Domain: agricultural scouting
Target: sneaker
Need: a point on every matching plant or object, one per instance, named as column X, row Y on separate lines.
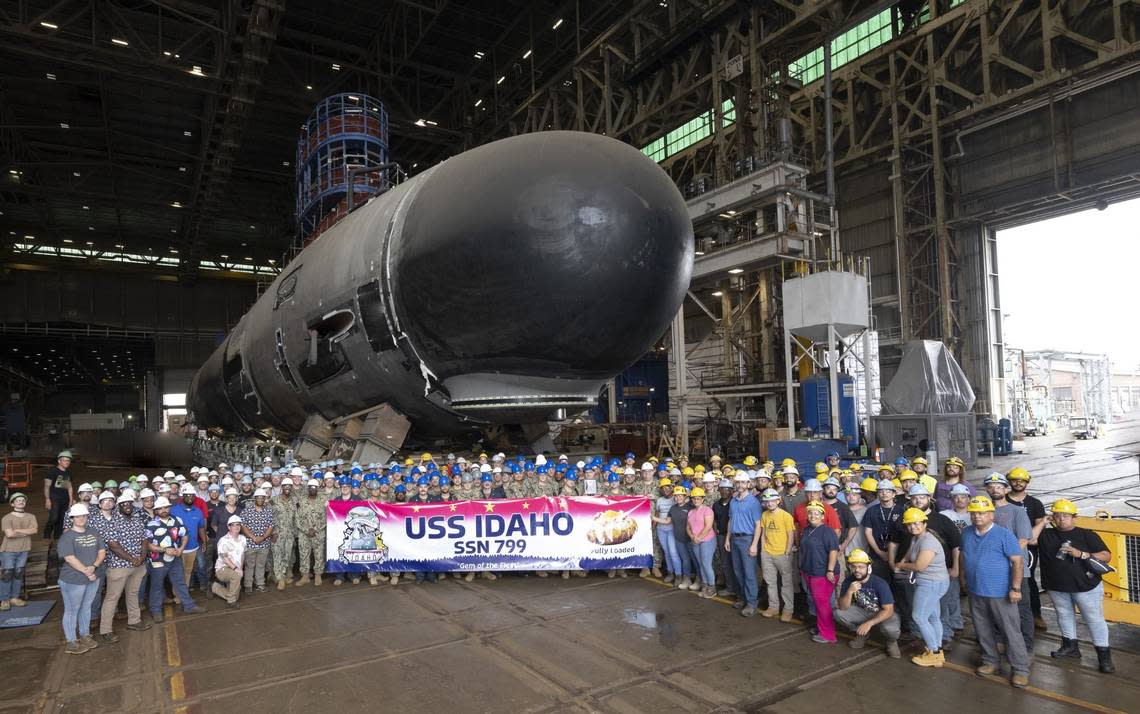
column 280, row 584
column 748, row 612
column 738, row 605
column 233, row 605
column 157, row 617
column 469, row 577
column 929, row 659
column 668, row 579
column 725, row 592
column 611, row 573
column 1021, row 681
column 140, row 626
column 88, row 641
column 262, row 588
column 109, row 639
column 695, row 585
column 707, row 593
column 770, row 612
column 338, row 582
column 786, row 617
column 656, row 572
column 5, row 605
column 194, row 610
column 18, row 602
column 986, row 670
column 643, row 573
column 565, row 574
column 74, row 647
column 542, row 573
column 858, row 643
column 819, row 639
column 356, row 581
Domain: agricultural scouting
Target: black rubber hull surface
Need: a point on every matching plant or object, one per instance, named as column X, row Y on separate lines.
column 506, row 282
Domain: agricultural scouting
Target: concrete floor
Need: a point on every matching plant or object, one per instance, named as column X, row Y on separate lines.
column 529, row 644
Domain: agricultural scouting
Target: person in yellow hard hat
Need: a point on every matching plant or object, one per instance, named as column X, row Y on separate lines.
column 904, row 481
column 865, row 602
column 751, row 461
column 991, row 561
column 1066, row 549
column 699, row 468
column 787, row 462
column 702, row 541
column 869, row 487
column 927, row 560
column 819, row 567
column 953, row 473
column 1018, row 495
column 664, row 532
column 821, row 469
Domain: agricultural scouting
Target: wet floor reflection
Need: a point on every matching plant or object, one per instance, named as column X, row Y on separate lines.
column 652, row 622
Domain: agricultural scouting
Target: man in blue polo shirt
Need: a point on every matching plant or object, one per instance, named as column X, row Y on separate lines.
column 195, row 521
column 990, row 571
column 743, row 541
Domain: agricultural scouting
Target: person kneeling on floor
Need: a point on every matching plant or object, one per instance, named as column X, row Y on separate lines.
column 865, row 602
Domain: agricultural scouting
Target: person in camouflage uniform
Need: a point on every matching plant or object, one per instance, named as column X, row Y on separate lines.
column 467, row 489
column 284, row 534
column 518, row 487
column 445, row 493
column 570, row 488
column 309, row 526
column 545, row 486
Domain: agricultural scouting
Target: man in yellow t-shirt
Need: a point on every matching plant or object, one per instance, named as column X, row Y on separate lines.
column 778, row 543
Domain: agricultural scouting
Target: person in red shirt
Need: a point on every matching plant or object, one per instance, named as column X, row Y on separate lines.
column 814, row 492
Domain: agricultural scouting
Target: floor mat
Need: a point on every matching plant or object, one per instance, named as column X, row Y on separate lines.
column 31, row 614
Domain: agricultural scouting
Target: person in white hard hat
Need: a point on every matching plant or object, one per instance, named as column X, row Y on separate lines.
column 166, row 539
column 58, row 496
column 126, row 561
column 257, row 526
column 228, row 569
column 193, row 516
column 81, row 553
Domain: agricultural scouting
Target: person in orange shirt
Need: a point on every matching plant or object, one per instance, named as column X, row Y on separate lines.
column 814, row 492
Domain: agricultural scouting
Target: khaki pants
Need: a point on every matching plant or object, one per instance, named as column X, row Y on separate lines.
column 120, row 581
column 189, row 557
column 228, row 584
column 254, row 567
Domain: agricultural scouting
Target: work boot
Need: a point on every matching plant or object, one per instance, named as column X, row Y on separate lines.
column 1104, row 660
column 565, row 574
column 303, row 580
column 5, row 605
column 1039, row 623
column 893, row 649
column 709, row 592
column 18, row 602
column 656, row 571
column 1021, row 681
column 929, row 659
column 623, row 573
column 88, row 641
column 770, row 612
column 1068, row 648
column 858, row 643
column 280, row 584
column 469, row 577
column 786, row 617
column 394, row 578
column 580, row 573
column 317, row 580
column 986, row 670
column 611, row 573
column 74, row 647
column 140, row 626
column 643, row 573
column 109, row 639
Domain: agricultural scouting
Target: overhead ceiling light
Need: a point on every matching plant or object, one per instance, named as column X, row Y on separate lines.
column 526, row 54
column 284, row 163
column 50, row 76
column 698, row 252
column 478, row 102
column 271, row 261
column 731, row 212
column 49, row 25
column 248, row 258
column 415, row 164
column 64, row 125
column 309, row 87
column 89, row 242
column 354, row 98
column 420, row 122
column 90, row 228
column 432, row 123
column 86, row 208
column 166, row 52
column 197, row 71
column 252, row 227
column 173, row 230
column 118, row 245
column 501, row 79
column 173, row 250
column 557, row 23
column 14, row 172
column 735, row 271
column 187, row 133
column 717, row 293
column 336, row 67
column 479, row 54
column 75, row 174
column 66, row 240
column 182, row 169
column 223, row 256
column 176, row 204
column 120, row 42
column 29, row 237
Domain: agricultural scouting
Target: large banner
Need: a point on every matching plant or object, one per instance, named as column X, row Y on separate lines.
column 586, row 532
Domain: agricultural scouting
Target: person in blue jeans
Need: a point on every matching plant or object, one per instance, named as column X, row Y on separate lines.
column 166, row 539
column 702, row 543
column 679, row 520
column 743, row 542
column 81, row 552
column 925, row 563
column 17, row 527
column 664, row 526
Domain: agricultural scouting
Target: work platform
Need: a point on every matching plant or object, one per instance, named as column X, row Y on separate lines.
column 518, row 644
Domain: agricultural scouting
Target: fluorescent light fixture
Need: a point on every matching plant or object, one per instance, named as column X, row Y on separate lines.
column 526, row 54
column 284, row 163
column 735, row 271
column 29, row 237
column 725, row 215
column 432, row 123
column 182, row 169
column 187, row 133
column 478, row 102
column 86, row 208
column 731, row 212
column 176, row 204
column 479, row 54
column 698, row 252
column 717, row 293
column 75, row 174
column 354, row 98
column 557, row 24
column 309, row 87
column 64, row 125
column 49, row 25
column 197, row 71
column 501, row 79
column 66, row 240
column 50, row 76
column 120, row 42
column 420, row 122
column 336, row 67
column 166, row 52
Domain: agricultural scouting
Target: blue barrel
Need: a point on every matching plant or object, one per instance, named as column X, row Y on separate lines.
column 815, row 407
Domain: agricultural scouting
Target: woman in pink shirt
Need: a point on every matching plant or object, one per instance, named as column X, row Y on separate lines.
column 702, row 540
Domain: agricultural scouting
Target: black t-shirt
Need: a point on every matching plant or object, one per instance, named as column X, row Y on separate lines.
column 941, row 527
column 1067, row 574
column 720, row 516
column 58, row 481
column 680, row 517
column 1035, row 509
column 847, row 519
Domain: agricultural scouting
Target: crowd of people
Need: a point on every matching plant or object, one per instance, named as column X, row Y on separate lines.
column 884, row 549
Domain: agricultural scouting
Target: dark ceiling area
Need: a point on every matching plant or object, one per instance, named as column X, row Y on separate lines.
column 167, row 128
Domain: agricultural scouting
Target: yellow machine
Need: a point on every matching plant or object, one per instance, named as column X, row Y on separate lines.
column 1122, row 588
